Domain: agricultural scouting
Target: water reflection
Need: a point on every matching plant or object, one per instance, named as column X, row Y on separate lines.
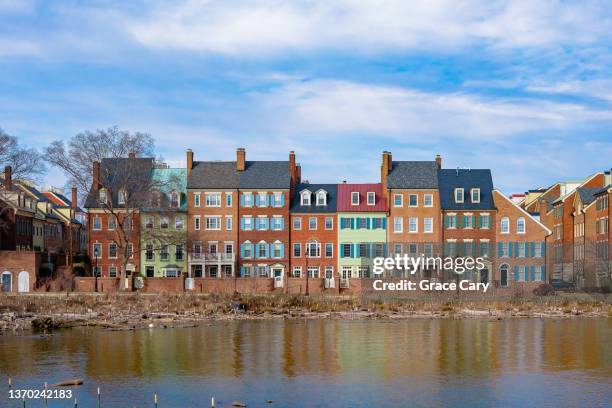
column 430, row 356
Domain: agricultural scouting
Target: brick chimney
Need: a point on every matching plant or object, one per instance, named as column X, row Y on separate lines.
column 189, row 161
column 543, row 210
column 8, row 178
column 292, row 168
column 439, row 161
column 74, row 197
column 298, row 172
column 240, row 159
column 385, row 169
column 131, row 155
column 95, row 185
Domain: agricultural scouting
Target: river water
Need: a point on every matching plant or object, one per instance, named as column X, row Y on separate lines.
column 321, row 363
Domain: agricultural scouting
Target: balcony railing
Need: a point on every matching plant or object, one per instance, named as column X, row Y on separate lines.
column 208, row 257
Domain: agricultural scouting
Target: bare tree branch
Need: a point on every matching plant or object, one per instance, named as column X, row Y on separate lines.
column 27, row 163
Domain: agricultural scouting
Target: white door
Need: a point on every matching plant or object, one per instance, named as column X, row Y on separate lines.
column 23, row 282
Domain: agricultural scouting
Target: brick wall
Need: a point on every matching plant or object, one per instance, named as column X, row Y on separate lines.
column 14, row 262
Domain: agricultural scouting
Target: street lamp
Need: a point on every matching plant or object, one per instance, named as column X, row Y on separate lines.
column 96, row 254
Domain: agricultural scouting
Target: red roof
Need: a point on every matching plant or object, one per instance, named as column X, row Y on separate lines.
column 344, row 198
column 54, row 199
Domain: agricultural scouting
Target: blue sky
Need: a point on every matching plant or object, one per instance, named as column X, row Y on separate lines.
column 523, row 88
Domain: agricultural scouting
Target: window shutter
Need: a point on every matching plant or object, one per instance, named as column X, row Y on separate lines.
column 242, row 224
column 282, row 250
column 516, row 249
column 446, row 221
column 242, row 250
column 532, row 273
column 533, row 245
column 358, row 251
column 500, row 249
column 267, row 199
column 516, row 273
column 543, row 245
column 252, row 246
column 384, row 223
column 256, row 199
column 282, row 224
column 351, row 250
column 282, row 200
column 242, row 271
column 526, row 244
column 543, row 273
column 446, row 248
column 480, row 221
column 352, row 223
column 368, row 223
column 510, row 249
column 384, row 249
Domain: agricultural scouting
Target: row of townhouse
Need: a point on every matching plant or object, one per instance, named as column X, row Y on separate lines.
column 258, row 219
column 39, row 232
column 578, row 213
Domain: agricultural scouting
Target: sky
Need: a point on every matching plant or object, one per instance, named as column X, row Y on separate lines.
column 521, row 87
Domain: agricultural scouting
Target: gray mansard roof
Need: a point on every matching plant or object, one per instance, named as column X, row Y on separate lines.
column 332, row 195
column 257, row 174
column 413, row 174
column 213, row 174
column 449, row 179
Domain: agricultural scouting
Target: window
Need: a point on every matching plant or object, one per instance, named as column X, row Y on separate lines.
column 297, row 250
column 468, row 221
column 364, row 271
column 475, row 195
column 262, row 250
column 164, row 254
column 97, row 223
column 428, row 224
column 164, row 222
column 505, row 250
column 263, row 199
column 111, row 222
column 379, row 250
column 397, row 249
column 103, row 196
column 329, row 272
column 212, row 199
column 537, row 250
column 377, row 223
column 178, row 252
column 504, row 270
column 277, row 250
column 398, row 224
column 329, row 250
column 413, row 200
column 312, row 223
column 261, row 224
column 247, row 223
column 297, row 271
column 112, row 271
column 485, row 221
column 178, row 223
column 247, row 199
column 505, row 225
column 278, row 199
column 371, row 198
column 175, row 199
column 196, row 223
column 398, row 200
column 458, row 195
column 520, row 225
column 149, row 252
column 362, row 223
column 121, row 197
column 428, row 200
column 112, row 251
column 451, row 221
column 149, row 222
column 321, row 198
column 196, row 199
column 297, row 223
column 521, row 249
column 97, row 250
column 313, row 271
column 468, row 248
column 364, row 250
column 354, row 198
column 213, row 223
column 247, row 250
column 228, row 199
column 277, row 223
column 229, row 248
column 428, row 249
column 413, row 224
column 313, row 250
column 346, row 250
column 329, row 223
column 228, row 223
column 305, row 197
column 484, row 249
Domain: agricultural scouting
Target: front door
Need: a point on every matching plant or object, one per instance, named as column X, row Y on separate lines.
column 23, row 282
column 277, row 273
column 504, row 276
column 484, row 275
column 7, row 282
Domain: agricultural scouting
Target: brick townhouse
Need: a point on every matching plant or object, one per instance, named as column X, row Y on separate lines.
column 362, row 229
column 415, row 224
column 469, row 218
column 314, row 232
column 603, row 237
column 521, row 245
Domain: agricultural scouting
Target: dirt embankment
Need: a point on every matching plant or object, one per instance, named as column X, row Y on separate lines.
column 130, row 311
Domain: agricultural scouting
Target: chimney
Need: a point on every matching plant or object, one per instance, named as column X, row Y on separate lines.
column 96, row 176
column 240, row 159
column 292, row 170
column 439, row 161
column 189, row 161
column 298, row 171
column 543, row 209
column 74, row 197
column 131, row 155
column 384, row 169
column 8, row 178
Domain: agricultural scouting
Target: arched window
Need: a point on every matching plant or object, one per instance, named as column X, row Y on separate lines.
column 262, row 249
column 505, row 225
column 305, row 197
column 174, row 199
column 321, row 197
column 520, row 225
column 122, row 197
column 103, row 196
column 313, row 249
column 504, row 270
column 277, row 249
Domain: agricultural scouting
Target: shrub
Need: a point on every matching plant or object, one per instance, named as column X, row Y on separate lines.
column 545, row 289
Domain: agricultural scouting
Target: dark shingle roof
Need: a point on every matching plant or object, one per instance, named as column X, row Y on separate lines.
column 265, row 174
column 115, row 172
column 332, row 194
column 213, row 174
column 602, row 190
column 587, row 194
column 449, row 179
column 413, row 174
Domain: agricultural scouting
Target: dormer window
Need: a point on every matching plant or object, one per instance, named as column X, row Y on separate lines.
column 102, row 196
column 459, row 195
column 475, row 192
column 305, row 197
column 174, row 199
column 121, row 197
column 354, row 198
column 371, row 198
column 321, row 198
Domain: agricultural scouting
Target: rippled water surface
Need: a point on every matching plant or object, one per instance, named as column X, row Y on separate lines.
column 429, row 363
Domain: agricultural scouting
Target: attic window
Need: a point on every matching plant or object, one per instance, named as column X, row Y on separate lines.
column 371, row 198
column 305, row 197
column 103, row 197
column 322, row 198
column 174, row 199
column 121, row 197
column 475, row 192
column 354, row 198
column 459, row 195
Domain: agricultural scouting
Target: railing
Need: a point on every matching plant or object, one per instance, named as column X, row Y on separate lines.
column 218, row 257
column 344, row 283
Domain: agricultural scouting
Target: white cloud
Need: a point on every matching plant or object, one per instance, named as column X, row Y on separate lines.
column 255, row 27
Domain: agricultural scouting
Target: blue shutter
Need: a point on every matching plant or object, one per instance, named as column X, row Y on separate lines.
column 242, row 250
column 500, row 249
column 282, row 200
column 242, row 224
column 282, row 250
column 516, row 249
column 543, row 273
column 543, row 248
column 384, row 223
column 242, row 200
column 282, row 224
column 368, row 223
column 252, row 250
column 267, row 199
column 242, row 271
column 368, row 250
column 256, row 200
column 446, row 221
column 352, row 223
column 351, row 250
column 516, row 273
column 510, row 249
column 532, row 273
column 265, row 223
column 358, row 251
column 384, row 249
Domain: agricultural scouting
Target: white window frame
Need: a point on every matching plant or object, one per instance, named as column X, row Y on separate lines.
column 506, row 221
column 229, row 200
column 197, row 199
column 299, row 247
column 431, row 222
column 323, row 195
column 208, row 199
column 401, row 200
column 371, row 198
column 208, row 218
column 472, row 192
column 428, row 197
column 197, row 223
column 354, row 197
column 305, row 198
column 519, row 221
column 229, row 222
column 416, row 224
column 297, row 227
column 457, row 191
column 332, row 223
column 416, row 197
column 398, row 225
column 310, row 219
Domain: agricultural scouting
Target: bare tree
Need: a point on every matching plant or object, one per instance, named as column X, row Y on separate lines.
column 75, row 157
column 27, row 164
